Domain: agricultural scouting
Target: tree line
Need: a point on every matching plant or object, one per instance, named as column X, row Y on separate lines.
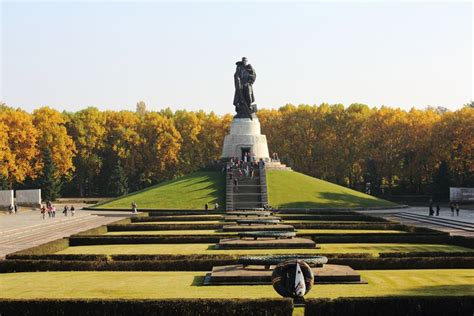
column 108, row 153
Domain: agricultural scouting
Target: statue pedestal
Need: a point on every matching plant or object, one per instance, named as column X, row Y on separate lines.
column 245, row 136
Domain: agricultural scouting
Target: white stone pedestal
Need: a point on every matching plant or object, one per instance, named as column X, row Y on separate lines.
column 245, row 135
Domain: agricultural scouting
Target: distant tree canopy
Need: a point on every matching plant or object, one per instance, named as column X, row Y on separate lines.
column 415, row 152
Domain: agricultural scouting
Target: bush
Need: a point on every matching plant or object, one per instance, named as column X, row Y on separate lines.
column 206, row 262
column 146, row 239
column 189, row 218
column 211, row 307
column 366, row 225
column 80, row 257
column 391, row 306
column 406, row 263
column 384, row 238
column 132, row 227
column 425, row 254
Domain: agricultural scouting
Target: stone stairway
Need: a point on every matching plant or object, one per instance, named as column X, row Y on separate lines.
column 250, row 193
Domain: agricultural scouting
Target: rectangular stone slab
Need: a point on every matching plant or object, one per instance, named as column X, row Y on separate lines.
column 258, row 275
column 267, row 243
column 233, row 218
column 248, row 228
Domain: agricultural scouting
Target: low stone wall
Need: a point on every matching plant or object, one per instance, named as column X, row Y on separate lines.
column 28, row 197
column 6, row 198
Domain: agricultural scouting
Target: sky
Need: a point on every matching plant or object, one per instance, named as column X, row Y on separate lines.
column 182, row 55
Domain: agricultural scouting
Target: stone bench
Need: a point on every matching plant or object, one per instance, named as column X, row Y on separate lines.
column 267, row 234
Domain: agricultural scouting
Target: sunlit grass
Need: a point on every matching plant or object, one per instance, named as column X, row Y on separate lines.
column 188, row 249
column 185, row 284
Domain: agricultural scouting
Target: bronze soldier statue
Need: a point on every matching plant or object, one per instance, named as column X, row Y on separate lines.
column 244, row 78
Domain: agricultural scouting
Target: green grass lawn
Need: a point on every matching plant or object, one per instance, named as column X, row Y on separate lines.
column 213, row 232
column 188, row 249
column 295, row 190
column 184, row 284
column 189, row 192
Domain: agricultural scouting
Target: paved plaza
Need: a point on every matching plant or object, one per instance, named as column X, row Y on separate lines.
column 462, row 225
column 27, row 228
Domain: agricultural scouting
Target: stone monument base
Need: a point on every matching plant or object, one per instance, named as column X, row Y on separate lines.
column 237, row 274
column 245, row 137
column 266, row 243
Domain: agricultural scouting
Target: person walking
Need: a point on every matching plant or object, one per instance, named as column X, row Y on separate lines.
column 216, row 206
column 73, row 210
column 236, row 184
column 53, row 211
column 43, row 212
column 65, row 210
column 15, row 207
column 457, row 209
column 11, row 209
column 451, row 206
column 431, row 208
column 437, row 209
column 206, row 207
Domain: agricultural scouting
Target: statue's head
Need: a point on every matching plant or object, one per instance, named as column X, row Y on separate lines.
column 244, row 60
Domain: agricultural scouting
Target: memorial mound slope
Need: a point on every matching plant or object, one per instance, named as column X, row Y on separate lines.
column 290, row 189
column 188, row 192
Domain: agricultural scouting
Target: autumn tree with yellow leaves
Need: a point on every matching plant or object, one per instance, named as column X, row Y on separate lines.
column 113, row 152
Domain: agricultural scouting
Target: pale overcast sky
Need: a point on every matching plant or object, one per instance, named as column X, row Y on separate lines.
column 182, row 55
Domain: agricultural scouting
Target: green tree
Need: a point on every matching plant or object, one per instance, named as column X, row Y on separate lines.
column 49, row 182
column 118, row 183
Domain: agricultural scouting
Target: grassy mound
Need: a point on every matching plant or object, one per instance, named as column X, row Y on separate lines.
column 289, row 189
column 189, row 192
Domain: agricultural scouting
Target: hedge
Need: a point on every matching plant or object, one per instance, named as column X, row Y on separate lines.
column 383, row 238
column 176, row 212
column 375, row 226
column 208, row 307
column 156, row 257
column 425, row 254
column 189, row 218
column 392, row 306
column 342, row 217
column 114, row 240
column 190, row 263
column 406, row 263
column 132, row 227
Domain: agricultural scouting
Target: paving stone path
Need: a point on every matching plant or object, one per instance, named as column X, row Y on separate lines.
column 462, row 225
column 27, row 228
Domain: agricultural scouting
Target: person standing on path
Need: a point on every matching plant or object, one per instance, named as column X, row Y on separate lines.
column 451, row 206
column 437, row 209
column 431, row 208
column 43, row 212
column 73, row 210
column 66, row 208
column 457, row 209
column 15, row 207
column 206, row 207
column 134, row 208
